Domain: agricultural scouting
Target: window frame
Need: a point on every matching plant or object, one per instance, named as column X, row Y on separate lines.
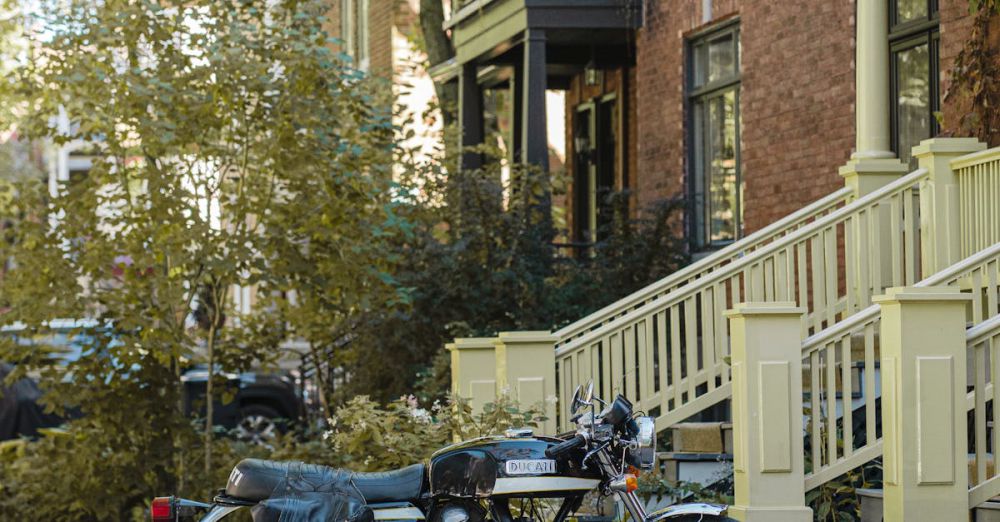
column 698, row 219
column 347, row 26
column 909, row 35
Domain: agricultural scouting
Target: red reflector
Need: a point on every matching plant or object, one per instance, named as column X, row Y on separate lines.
column 162, row 509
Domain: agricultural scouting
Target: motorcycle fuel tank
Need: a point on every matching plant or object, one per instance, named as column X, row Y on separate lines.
column 508, row 466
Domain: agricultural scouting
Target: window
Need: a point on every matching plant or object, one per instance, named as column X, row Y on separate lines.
column 354, row 30
column 714, row 96
column 914, row 72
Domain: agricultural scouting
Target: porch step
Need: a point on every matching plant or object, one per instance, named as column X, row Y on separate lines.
column 702, row 437
column 704, row 469
column 872, row 508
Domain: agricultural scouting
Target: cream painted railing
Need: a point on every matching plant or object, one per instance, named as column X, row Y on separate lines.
column 832, row 358
column 668, row 354
column 984, row 346
column 752, row 242
column 978, row 177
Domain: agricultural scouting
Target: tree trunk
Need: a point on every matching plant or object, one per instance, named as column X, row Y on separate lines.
column 439, row 50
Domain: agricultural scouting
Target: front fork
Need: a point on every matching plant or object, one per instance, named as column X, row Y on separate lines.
column 629, row 498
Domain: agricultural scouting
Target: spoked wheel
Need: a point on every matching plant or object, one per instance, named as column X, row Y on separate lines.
column 259, row 425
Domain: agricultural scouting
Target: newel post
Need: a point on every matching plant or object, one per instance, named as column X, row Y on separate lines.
column 526, row 370
column 925, row 472
column 940, row 230
column 768, row 462
column 473, row 370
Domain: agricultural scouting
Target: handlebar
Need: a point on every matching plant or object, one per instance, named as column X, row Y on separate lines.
column 565, row 446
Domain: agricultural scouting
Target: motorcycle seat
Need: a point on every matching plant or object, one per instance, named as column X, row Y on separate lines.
column 256, row 479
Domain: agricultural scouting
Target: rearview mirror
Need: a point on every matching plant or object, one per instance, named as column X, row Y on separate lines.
column 575, row 405
column 582, row 397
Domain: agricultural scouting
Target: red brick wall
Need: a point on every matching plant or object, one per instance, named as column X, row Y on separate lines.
column 381, row 17
column 796, row 99
column 797, row 96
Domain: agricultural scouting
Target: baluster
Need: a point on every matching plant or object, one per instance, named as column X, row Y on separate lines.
column 831, row 402
column 818, row 281
column 630, row 384
column 675, row 350
column 876, row 215
column 831, row 266
column 618, row 371
column 869, row 389
column 896, row 243
column 862, row 259
column 979, row 366
column 977, row 299
column 814, row 388
column 708, row 336
column 910, row 226
column 847, row 395
column 661, row 347
column 850, row 266
column 803, row 284
column 691, row 343
column 768, row 282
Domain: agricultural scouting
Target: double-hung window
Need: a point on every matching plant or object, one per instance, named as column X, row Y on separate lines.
column 914, row 72
column 715, row 185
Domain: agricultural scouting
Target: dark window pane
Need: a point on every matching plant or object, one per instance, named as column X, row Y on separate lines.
column 714, row 60
column 721, row 58
column 913, row 100
column 907, row 10
column 700, row 59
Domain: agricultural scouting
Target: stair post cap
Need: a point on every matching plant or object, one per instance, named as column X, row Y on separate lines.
column 774, row 308
column 948, row 146
column 926, row 294
column 536, row 336
column 470, row 343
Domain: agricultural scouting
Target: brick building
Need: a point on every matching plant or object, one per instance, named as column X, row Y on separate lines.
column 744, row 108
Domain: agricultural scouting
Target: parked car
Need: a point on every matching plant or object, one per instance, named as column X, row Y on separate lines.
column 264, row 403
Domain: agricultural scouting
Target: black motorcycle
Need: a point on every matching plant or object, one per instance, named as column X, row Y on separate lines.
column 483, row 479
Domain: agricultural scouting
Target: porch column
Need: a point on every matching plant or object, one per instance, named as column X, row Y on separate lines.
column 535, row 142
column 768, row 462
column 473, row 370
column 872, row 80
column 517, row 112
column 925, row 471
column 470, row 115
column 873, row 164
column 526, row 370
column 940, row 231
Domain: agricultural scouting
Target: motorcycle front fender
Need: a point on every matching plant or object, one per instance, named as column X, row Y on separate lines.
column 219, row 512
column 686, row 510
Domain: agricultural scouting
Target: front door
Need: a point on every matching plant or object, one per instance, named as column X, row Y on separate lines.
column 595, row 140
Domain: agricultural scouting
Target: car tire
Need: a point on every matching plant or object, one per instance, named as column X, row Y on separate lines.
column 258, row 425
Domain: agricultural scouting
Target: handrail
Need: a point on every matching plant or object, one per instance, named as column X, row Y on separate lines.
column 829, row 334
column 833, row 352
column 975, row 158
column 738, row 265
column 726, row 254
column 981, row 331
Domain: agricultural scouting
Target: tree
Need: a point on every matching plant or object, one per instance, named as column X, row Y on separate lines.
column 437, row 44
column 235, row 150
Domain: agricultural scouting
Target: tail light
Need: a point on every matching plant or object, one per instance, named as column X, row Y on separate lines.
column 162, row 509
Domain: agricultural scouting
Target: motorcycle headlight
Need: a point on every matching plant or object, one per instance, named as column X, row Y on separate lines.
column 646, row 439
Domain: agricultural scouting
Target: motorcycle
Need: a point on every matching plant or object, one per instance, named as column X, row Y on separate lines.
column 477, row 480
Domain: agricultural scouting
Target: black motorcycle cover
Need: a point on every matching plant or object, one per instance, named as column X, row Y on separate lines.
column 308, row 497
